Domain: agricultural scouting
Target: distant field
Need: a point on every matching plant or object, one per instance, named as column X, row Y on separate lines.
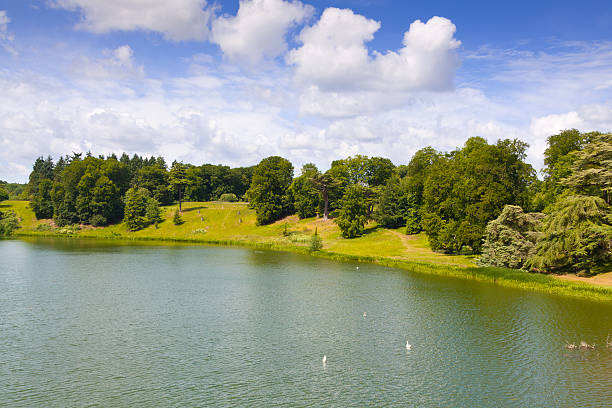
column 234, row 224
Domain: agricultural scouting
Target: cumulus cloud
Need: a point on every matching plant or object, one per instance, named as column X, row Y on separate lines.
column 334, row 56
column 118, row 65
column 259, row 28
column 177, row 20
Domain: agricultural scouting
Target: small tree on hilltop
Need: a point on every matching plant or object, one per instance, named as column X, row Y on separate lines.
column 178, row 180
column 177, row 220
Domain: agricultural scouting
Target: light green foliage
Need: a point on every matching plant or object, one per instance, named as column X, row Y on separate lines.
column 9, row 222
column 469, row 187
column 305, row 193
column 268, row 193
column 591, row 170
column 510, row 238
column 577, row 237
column 353, row 212
column 228, row 198
column 176, row 219
column 136, row 200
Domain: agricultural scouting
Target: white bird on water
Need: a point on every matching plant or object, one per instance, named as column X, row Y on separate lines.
column 324, row 359
column 365, row 314
column 408, row 346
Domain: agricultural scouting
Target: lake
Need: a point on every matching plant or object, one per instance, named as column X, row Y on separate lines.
column 88, row 323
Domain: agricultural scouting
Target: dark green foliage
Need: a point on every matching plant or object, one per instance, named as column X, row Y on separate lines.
column 42, row 169
column 4, row 195
column 209, row 182
column 327, row 186
column 510, row 238
column 136, row 200
column 155, row 179
column 305, row 193
column 178, row 180
column 316, row 242
column 228, row 197
column 9, row 222
column 153, row 212
column 268, row 193
column 469, row 187
column 394, row 204
column 98, row 220
column 177, row 220
column 577, row 237
column 353, row 212
column 41, row 203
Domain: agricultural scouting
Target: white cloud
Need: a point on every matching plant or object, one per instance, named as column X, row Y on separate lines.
column 178, row 20
column 118, row 65
column 6, row 38
column 259, row 28
column 334, row 57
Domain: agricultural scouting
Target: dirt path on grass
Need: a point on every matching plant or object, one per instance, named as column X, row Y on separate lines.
column 603, row 279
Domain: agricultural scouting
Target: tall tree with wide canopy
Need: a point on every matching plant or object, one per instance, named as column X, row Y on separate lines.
column 469, row 187
column 268, row 193
column 304, row 193
column 577, row 237
column 591, row 170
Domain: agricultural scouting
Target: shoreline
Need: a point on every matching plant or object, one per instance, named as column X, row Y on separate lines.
column 510, row 278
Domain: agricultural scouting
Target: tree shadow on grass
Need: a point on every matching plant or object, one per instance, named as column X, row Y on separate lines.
column 194, row 208
column 371, row 229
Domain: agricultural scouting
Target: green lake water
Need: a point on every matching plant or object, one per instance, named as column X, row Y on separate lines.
column 86, row 323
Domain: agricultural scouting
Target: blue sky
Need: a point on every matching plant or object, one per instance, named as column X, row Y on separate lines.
column 231, row 82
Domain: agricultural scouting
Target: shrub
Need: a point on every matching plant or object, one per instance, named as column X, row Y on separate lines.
column 177, row 220
column 97, row 220
column 228, row 197
column 316, row 242
column 510, row 238
column 8, row 222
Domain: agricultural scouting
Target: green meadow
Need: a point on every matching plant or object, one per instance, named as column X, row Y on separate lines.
column 222, row 223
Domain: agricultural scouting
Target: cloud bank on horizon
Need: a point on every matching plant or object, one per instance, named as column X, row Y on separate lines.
column 195, row 82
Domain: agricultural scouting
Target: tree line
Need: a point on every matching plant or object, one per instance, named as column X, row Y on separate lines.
column 480, row 198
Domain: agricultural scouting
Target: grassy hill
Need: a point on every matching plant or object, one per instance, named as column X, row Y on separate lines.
column 234, row 224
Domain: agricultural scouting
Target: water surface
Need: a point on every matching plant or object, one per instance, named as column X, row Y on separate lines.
column 87, row 323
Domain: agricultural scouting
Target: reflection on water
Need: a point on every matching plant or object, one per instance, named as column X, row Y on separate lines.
column 87, row 322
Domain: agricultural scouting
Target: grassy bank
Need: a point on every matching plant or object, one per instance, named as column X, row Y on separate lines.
column 234, row 224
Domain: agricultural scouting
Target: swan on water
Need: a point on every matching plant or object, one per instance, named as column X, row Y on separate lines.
column 365, row 314
column 408, row 346
column 324, row 359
